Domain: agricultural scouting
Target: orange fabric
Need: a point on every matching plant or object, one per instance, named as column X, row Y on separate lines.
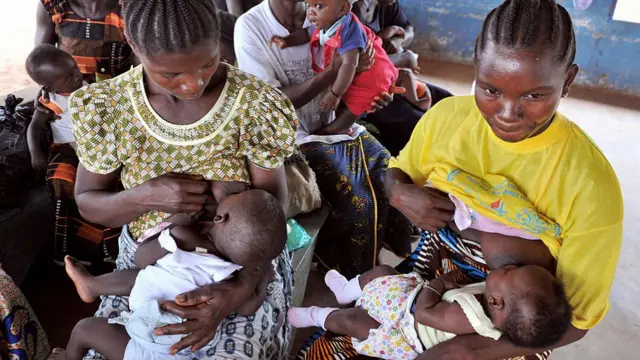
column 51, row 106
column 86, row 65
column 421, row 89
column 64, row 172
column 114, row 20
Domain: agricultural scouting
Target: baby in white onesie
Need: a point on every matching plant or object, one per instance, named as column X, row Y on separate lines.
column 249, row 230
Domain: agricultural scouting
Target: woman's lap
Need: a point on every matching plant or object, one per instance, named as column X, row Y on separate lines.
column 264, row 335
column 346, row 240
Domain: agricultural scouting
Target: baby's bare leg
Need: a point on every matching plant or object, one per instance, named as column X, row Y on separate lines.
column 89, row 287
column 348, row 291
column 110, row 340
column 353, row 322
column 375, row 273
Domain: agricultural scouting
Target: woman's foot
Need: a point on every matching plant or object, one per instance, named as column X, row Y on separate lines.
column 309, row 317
column 81, row 278
column 346, row 291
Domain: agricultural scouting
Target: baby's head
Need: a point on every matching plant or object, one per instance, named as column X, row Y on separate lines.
column 250, row 228
column 324, row 13
column 528, row 305
column 54, row 69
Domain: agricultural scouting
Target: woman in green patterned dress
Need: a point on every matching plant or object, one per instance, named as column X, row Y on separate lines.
column 166, row 129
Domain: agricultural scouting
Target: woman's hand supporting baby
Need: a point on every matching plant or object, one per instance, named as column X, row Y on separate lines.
column 203, row 309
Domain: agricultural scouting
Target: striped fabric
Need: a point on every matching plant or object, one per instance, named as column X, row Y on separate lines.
column 89, row 243
column 437, row 253
column 98, row 45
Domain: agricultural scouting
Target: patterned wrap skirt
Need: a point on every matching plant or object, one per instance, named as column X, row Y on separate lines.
column 90, row 243
column 350, row 175
column 436, row 254
column 21, row 335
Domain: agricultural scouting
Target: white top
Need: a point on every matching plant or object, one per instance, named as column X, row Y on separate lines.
column 282, row 68
column 60, row 128
column 465, row 297
column 176, row 273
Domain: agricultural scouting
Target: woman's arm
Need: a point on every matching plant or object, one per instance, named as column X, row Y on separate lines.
column 99, row 200
column 271, row 181
column 235, row 7
column 408, row 36
column 45, row 28
column 426, row 208
column 476, row 347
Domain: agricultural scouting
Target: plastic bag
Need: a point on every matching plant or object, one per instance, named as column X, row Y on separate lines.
column 15, row 162
column 297, row 236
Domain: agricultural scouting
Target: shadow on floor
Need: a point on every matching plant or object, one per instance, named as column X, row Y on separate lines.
column 55, row 301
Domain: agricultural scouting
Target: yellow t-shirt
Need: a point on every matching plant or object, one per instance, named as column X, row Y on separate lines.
column 557, row 186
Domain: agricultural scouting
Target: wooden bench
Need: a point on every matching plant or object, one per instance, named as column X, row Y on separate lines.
column 301, row 259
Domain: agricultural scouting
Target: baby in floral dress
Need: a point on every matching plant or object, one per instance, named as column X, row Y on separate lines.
column 400, row 316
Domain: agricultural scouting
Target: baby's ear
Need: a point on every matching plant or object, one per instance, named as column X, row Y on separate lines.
column 495, row 301
column 221, row 218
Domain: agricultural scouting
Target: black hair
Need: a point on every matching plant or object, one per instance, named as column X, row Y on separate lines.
column 524, row 24
column 169, row 26
column 41, row 55
column 258, row 230
column 227, row 24
column 541, row 326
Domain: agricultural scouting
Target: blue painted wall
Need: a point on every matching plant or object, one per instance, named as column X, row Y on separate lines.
column 608, row 51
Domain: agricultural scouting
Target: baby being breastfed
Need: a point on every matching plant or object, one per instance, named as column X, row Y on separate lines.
column 248, row 231
column 400, row 316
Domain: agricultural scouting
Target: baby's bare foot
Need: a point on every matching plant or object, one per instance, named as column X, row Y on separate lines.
column 81, row 278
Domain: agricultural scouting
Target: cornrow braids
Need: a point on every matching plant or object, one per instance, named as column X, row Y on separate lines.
column 524, row 24
column 169, row 26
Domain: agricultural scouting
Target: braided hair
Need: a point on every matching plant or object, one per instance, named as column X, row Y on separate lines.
column 524, row 24
column 169, row 26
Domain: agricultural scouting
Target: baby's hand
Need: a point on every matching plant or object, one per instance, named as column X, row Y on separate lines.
column 329, row 102
column 186, row 219
column 452, row 279
column 279, row 41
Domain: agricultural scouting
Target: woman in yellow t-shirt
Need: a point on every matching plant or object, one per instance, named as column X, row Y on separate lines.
column 506, row 144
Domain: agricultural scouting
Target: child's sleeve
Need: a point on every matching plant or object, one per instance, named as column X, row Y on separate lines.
column 353, row 37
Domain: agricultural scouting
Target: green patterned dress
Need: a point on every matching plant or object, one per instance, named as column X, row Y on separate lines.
column 115, row 127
